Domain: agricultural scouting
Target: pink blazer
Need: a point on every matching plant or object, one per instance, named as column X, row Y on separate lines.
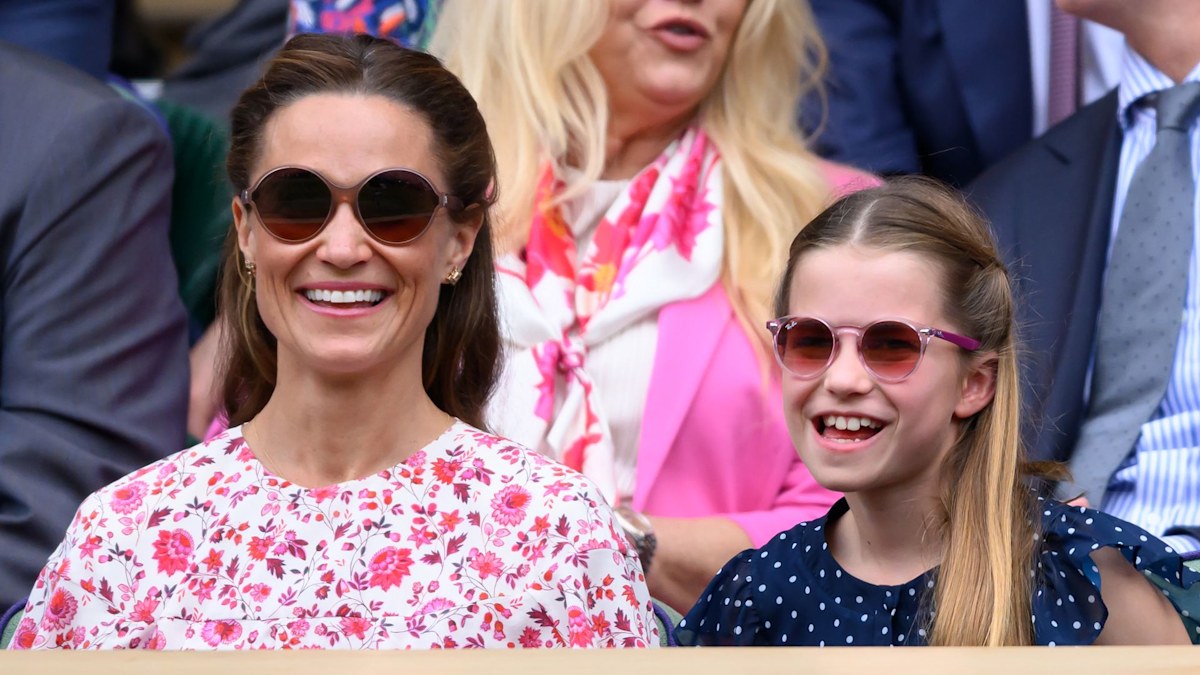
column 714, row 440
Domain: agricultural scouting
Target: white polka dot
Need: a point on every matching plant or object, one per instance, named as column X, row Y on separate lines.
column 762, row 587
column 821, row 607
column 864, row 618
column 767, row 625
column 921, row 632
column 793, row 613
column 1092, row 599
column 1097, row 626
column 779, row 600
column 900, row 637
column 726, row 601
column 810, row 628
column 782, row 536
column 858, row 599
column 1054, row 623
column 884, row 631
column 1050, row 644
column 792, row 579
column 763, row 554
column 912, row 591
column 737, row 630
column 837, row 622
column 822, row 574
column 783, row 638
column 849, row 639
column 837, row 573
column 778, row 564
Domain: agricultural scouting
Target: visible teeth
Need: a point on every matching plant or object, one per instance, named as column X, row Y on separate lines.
column 343, row 297
column 850, row 423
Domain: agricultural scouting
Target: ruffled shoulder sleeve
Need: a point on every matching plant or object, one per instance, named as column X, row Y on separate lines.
column 725, row 614
column 1067, row 606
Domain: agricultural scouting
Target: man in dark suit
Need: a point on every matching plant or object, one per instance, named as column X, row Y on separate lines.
column 1056, row 206
column 939, row 87
column 93, row 344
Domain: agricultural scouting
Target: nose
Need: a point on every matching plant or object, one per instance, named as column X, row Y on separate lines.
column 344, row 240
column 847, row 376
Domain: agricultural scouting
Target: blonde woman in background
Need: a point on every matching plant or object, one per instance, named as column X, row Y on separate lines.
column 651, row 175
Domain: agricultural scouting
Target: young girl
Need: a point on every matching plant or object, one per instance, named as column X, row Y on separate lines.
column 901, row 390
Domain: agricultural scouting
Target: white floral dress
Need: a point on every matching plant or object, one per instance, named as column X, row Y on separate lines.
column 471, row 542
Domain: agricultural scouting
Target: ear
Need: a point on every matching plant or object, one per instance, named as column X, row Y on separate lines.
column 245, row 235
column 978, row 385
column 462, row 239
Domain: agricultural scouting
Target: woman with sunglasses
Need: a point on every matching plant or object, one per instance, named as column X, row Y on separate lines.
column 356, row 502
column 651, row 173
column 901, row 390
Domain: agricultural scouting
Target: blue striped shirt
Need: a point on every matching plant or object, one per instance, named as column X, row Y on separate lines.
column 1158, row 484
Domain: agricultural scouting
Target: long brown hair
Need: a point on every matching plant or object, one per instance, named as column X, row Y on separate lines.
column 983, row 590
column 460, row 362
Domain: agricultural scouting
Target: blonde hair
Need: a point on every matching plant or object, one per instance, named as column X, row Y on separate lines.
column 526, row 62
column 983, row 590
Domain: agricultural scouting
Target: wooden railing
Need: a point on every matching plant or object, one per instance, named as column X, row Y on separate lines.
column 704, row 661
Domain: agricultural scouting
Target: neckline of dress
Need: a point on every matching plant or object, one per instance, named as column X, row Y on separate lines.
column 440, row 443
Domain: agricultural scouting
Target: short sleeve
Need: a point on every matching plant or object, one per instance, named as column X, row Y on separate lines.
column 725, row 614
column 1067, row 605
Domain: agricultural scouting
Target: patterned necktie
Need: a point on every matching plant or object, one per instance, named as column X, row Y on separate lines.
column 1142, row 303
column 1064, row 66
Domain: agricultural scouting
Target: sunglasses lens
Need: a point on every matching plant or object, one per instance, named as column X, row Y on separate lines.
column 292, row 203
column 804, row 346
column 891, row 349
column 397, row 206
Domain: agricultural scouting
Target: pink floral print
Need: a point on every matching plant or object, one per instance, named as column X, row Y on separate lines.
column 471, row 542
column 659, row 243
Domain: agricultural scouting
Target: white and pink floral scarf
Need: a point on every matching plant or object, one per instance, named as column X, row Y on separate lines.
column 660, row 242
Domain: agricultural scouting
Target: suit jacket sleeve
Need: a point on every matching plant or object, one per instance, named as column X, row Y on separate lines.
column 93, row 351
column 865, row 123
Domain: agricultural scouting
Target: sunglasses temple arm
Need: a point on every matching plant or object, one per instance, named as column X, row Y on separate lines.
column 969, row 344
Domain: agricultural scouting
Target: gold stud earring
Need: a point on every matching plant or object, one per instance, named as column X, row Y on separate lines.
column 454, row 275
column 250, row 268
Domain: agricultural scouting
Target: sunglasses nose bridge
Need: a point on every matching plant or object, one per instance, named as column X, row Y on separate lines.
column 845, row 370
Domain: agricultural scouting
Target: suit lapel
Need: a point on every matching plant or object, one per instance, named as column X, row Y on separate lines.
column 1065, row 224
column 688, row 335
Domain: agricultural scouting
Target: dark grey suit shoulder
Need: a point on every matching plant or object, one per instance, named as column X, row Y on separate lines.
column 93, row 351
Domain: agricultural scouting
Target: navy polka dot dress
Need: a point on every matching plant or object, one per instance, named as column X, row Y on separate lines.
column 791, row 592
